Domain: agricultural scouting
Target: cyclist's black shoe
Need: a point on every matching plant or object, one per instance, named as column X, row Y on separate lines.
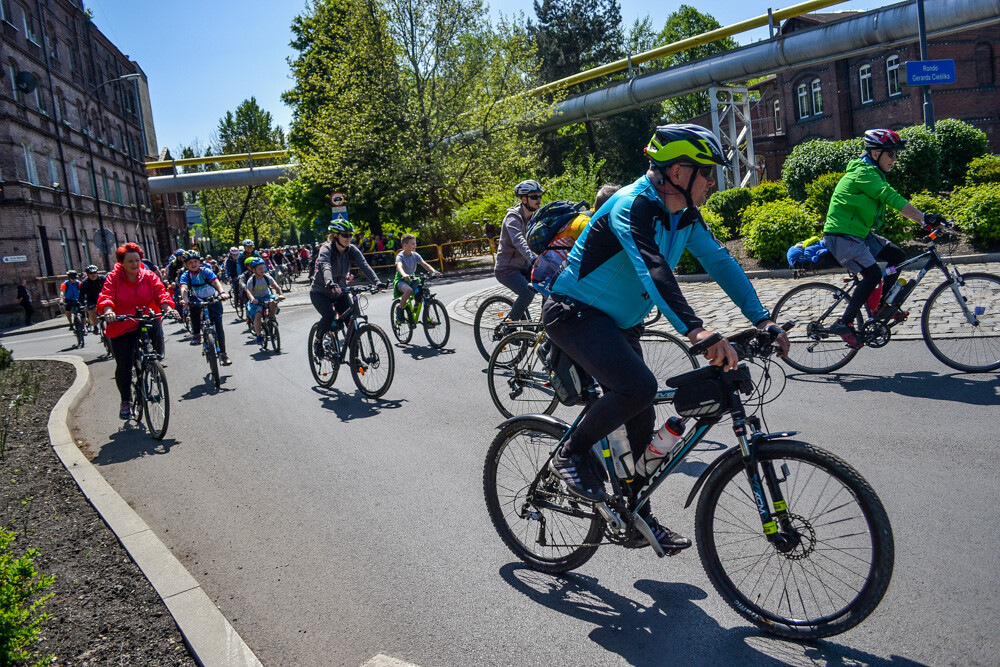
column 668, row 539
column 847, row 334
column 578, row 474
column 400, row 315
column 318, row 349
column 125, row 410
column 226, row 361
column 195, row 340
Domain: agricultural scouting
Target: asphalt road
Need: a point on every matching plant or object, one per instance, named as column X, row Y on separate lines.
column 329, row 528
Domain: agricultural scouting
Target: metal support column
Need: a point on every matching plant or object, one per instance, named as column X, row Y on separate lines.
column 731, row 124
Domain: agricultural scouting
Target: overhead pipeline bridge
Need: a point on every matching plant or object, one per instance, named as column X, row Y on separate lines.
column 849, row 37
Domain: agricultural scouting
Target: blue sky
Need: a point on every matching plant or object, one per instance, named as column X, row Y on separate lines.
column 203, row 58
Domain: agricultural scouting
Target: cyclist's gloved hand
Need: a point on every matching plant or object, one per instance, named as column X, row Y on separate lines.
column 932, row 220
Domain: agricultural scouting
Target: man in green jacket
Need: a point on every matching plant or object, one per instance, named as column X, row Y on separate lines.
column 857, row 210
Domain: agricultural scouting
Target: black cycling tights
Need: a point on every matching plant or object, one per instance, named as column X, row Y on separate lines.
column 329, row 307
column 893, row 256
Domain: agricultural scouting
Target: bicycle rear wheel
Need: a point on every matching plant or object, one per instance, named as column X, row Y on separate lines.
column 239, row 307
column 401, row 330
column 519, row 383
column 372, row 360
column 541, row 524
column 491, row 313
column 155, row 399
column 272, row 335
column 842, row 559
column 814, row 307
column 208, row 340
column 324, row 367
column 437, row 324
column 973, row 348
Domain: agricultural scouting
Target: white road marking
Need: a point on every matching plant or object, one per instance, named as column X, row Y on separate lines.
column 382, row 660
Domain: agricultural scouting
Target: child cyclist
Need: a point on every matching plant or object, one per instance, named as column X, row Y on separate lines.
column 201, row 282
column 406, row 281
column 857, row 210
column 261, row 289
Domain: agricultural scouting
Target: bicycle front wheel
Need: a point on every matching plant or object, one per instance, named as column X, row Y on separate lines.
column 372, row 361
column 273, row 336
column 105, row 339
column 519, row 383
column 491, row 313
column 239, row 307
column 839, row 555
column 326, row 363
column 541, row 522
column 155, row 399
column 814, row 307
column 963, row 345
column 437, row 324
column 213, row 358
column 401, row 330
column 78, row 330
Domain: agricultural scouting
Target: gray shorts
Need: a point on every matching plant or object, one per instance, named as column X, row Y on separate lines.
column 853, row 253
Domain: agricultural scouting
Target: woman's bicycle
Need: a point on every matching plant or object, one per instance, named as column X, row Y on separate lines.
column 269, row 333
column 364, row 346
column 209, row 336
column 421, row 308
column 791, row 536
column 519, row 375
column 960, row 322
column 150, row 396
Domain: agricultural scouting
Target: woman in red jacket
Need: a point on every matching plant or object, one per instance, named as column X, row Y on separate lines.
column 131, row 285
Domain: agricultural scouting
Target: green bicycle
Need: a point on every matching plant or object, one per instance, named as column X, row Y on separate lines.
column 422, row 308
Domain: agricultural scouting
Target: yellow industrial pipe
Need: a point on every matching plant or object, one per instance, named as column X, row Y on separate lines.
column 263, row 155
column 690, row 42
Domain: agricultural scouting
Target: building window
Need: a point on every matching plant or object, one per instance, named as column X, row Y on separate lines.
column 777, row 116
column 107, row 185
column 892, row 75
column 64, row 242
column 53, row 170
column 85, row 247
column 30, row 171
column 985, row 70
column 14, row 90
column 40, row 100
column 29, row 26
column 865, row 82
column 817, row 95
column 118, row 189
column 74, row 178
column 803, row 101
column 93, row 183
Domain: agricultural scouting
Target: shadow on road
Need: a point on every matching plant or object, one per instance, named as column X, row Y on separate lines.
column 130, row 442
column 983, row 389
column 671, row 628
column 352, row 406
column 206, row 388
column 418, row 352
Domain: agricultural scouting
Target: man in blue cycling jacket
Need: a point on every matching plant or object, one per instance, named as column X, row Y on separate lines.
column 618, row 270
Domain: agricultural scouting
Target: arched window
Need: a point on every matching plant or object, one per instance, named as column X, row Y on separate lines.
column 817, row 97
column 803, row 97
column 985, row 69
column 15, row 92
column 865, row 83
column 107, row 185
column 892, row 75
column 53, row 166
column 118, row 189
column 40, row 101
column 74, row 177
column 30, row 170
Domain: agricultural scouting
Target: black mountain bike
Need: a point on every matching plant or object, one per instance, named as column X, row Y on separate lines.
column 269, row 333
column 237, row 298
column 150, row 396
column 422, row 308
column 79, row 323
column 209, row 337
column 960, row 322
column 364, row 346
column 492, row 322
column 791, row 536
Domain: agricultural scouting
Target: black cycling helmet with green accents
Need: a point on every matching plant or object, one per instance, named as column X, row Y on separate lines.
column 92, row 268
column 684, row 142
column 342, row 227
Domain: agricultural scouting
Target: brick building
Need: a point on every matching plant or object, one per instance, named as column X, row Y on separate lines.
column 63, row 107
column 840, row 99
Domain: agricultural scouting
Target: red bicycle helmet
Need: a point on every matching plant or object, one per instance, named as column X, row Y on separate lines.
column 883, row 139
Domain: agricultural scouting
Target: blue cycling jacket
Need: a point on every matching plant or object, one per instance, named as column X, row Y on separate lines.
column 623, row 262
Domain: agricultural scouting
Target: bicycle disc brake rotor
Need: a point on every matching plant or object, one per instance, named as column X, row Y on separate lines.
column 806, row 539
column 875, row 334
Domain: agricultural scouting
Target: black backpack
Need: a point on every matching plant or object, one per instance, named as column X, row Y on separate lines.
column 549, row 221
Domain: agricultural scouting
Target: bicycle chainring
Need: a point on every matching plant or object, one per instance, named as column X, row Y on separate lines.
column 875, row 334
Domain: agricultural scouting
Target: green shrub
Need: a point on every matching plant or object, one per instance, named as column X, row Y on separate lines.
column 918, row 167
column 771, row 228
column 960, row 143
column 687, row 264
column 6, row 358
column 717, row 225
column 729, row 205
column 820, row 192
column 20, row 617
column 810, row 160
column 768, row 191
column 900, row 229
column 977, row 211
column 985, row 169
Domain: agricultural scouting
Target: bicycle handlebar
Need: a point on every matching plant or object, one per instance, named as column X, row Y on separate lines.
column 749, row 344
column 141, row 316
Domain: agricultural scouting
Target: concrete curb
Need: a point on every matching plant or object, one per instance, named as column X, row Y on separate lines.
column 208, row 634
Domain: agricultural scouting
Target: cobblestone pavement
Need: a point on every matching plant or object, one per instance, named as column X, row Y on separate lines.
column 721, row 314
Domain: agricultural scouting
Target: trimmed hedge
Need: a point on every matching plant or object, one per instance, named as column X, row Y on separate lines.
column 773, row 227
column 918, row 167
column 960, row 143
column 729, row 205
column 984, row 169
column 820, row 192
column 976, row 209
column 768, row 191
column 810, row 160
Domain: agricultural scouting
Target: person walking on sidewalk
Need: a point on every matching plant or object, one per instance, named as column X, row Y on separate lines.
column 514, row 257
column 24, row 299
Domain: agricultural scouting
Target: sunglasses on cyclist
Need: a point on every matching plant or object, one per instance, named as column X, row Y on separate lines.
column 706, row 172
column 344, row 235
column 534, row 197
column 892, row 153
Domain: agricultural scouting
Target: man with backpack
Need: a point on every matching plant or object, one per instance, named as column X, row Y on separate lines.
column 514, row 257
column 618, row 269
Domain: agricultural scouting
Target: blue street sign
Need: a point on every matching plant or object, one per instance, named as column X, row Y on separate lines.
column 930, row 72
column 340, row 216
